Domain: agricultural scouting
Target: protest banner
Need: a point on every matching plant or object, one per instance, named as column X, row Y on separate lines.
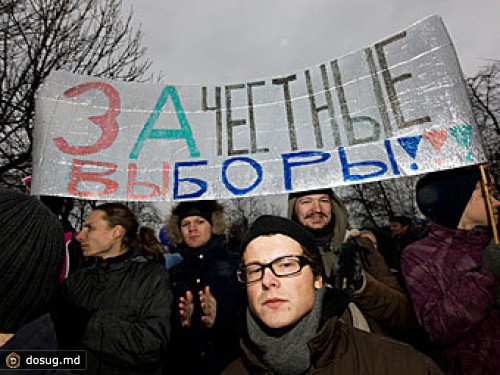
column 397, row 108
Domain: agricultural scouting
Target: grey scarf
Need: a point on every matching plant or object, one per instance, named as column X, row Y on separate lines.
column 288, row 354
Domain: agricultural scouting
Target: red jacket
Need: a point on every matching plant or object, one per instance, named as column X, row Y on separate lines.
column 453, row 298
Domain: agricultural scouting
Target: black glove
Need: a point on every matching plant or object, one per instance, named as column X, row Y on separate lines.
column 491, row 261
column 363, row 252
column 348, row 272
column 336, row 300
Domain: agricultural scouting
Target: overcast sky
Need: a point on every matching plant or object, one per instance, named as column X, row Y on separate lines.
column 224, row 41
column 233, row 41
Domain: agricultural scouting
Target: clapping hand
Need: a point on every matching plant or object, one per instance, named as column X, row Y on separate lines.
column 209, row 307
column 186, row 308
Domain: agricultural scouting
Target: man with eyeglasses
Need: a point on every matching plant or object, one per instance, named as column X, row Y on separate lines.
column 292, row 325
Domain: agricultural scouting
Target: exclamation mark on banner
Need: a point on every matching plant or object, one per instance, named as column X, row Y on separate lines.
column 462, row 135
column 410, row 145
column 436, row 138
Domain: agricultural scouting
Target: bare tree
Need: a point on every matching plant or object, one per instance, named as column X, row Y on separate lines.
column 485, row 95
column 147, row 214
column 242, row 212
column 371, row 204
column 39, row 36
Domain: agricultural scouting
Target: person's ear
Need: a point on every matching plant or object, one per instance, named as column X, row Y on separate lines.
column 118, row 232
column 318, row 282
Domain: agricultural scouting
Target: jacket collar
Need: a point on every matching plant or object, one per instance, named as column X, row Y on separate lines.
column 478, row 235
column 324, row 346
column 210, row 250
column 106, row 263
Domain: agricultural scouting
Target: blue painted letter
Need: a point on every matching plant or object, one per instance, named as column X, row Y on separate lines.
column 201, row 183
column 346, row 166
column 287, row 165
column 233, row 189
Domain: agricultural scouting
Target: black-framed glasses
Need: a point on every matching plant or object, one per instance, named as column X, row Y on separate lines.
column 287, row 265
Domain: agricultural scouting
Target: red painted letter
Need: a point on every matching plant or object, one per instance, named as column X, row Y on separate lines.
column 78, row 175
column 155, row 190
column 132, row 182
column 165, row 170
column 107, row 122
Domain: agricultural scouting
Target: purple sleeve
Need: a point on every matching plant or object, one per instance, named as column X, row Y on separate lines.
column 450, row 297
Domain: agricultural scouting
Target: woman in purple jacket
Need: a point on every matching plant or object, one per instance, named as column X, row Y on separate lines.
column 453, row 275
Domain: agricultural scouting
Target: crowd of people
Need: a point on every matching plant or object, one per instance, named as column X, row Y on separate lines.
column 299, row 294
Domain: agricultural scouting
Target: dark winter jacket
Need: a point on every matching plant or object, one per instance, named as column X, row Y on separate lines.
column 453, row 298
column 383, row 304
column 36, row 335
column 118, row 310
column 199, row 349
column 341, row 349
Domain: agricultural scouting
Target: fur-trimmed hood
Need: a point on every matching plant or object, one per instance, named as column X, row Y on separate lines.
column 339, row 211
column 173, row 221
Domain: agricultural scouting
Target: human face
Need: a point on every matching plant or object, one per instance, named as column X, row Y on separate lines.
column 314, row 211
column 98, row 238
column 196, row 231
column 397, row 229
column 475, row 213
column 279, row 302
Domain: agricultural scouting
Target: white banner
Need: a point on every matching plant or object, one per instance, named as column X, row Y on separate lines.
column 397, row 108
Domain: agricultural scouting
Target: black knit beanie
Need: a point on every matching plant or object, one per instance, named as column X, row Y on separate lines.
column 205, row 209
column 269, row 224
column 31, row 257
column 442, row 196
column 298, row 194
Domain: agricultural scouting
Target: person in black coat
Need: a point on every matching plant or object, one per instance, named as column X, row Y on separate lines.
column 31, row 257
column 118, row 307
column 207, row 296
